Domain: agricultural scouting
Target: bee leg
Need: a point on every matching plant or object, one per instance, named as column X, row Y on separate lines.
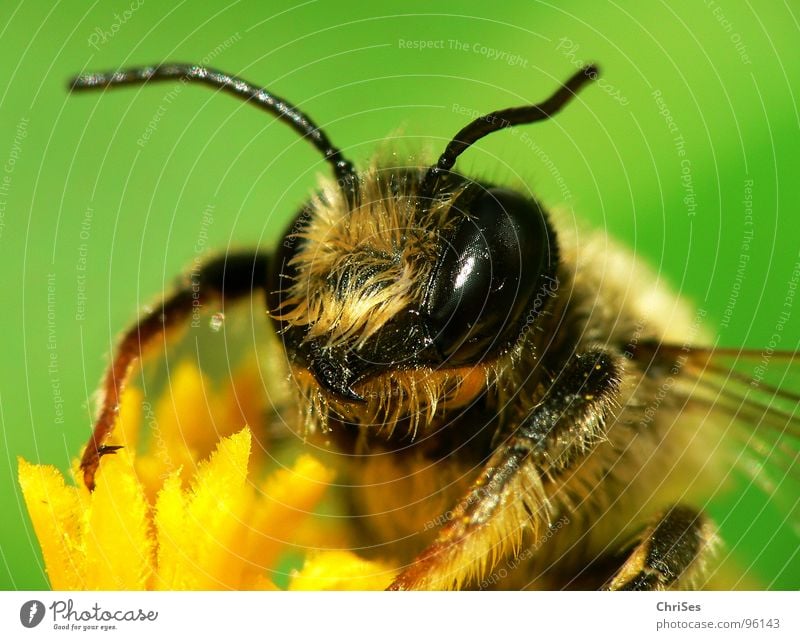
column 670, row 554
column 509, row 496
column 222, row 280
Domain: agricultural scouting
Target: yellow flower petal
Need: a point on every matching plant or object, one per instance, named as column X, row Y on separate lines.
column 243, row 401
column 184, row 429
column 341, row 570
column 203, row 542
column 161, row 519
column 191, row 418
column 57, row 516
column 259, row 583
column 174, row 565
column 118, row 539
column 286, row 500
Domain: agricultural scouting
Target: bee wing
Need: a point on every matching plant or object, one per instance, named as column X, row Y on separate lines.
column 756, row 392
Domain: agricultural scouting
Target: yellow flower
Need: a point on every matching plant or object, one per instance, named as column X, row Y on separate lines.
column 200, row 525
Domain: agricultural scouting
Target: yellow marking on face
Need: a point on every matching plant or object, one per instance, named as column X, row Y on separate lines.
column 473, row 382
column 417, row 395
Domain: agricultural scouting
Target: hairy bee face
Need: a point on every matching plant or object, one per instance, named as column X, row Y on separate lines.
column 393, row 307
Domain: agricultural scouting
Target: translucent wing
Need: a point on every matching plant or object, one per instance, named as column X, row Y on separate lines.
column 756, row 391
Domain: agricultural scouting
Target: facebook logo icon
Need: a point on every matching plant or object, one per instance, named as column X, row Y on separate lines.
column 31, row 613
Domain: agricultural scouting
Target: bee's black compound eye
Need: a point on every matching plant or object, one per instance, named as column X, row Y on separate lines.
column 489, row 274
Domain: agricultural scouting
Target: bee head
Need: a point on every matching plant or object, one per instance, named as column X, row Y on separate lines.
column 405, row 290
column 392, row 296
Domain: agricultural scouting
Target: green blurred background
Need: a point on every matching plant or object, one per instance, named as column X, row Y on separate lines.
column 97, row 214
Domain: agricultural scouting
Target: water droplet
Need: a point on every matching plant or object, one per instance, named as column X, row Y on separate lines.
column 216, row 321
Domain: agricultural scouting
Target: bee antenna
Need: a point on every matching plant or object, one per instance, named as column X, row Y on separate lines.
column 282, row 109
column 503, row 119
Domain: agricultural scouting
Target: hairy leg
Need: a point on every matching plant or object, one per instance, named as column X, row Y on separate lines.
column 508, row 497
column 220, row 280
column 670, row 553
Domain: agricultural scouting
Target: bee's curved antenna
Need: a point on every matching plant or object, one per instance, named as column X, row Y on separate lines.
column 280, row 108
column 502, row 119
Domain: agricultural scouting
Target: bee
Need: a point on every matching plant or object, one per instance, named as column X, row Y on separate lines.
column 509, row 407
